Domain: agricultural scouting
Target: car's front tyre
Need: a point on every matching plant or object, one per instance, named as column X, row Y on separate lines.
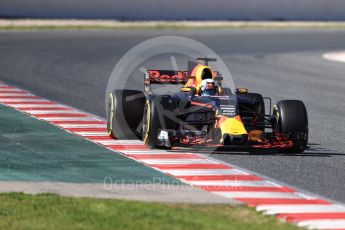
column 291, row 118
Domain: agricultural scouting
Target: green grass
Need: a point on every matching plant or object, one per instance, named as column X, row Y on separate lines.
column 47, row 211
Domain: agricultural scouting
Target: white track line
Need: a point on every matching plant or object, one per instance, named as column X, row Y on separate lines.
column 177, row 161
column 123, row 142
column 196, row 172
column 40, row 112
column 3, row 91
column 68, row 119
column 323, row 224
column 258, row 195
column 19, row 106
column 82, row 125
column 110, row 143
column 15, row 94
column 233, row 183
column 33, row 100
column 335, row 56
column 299, row 208
column 100, row 134
column 151, row 151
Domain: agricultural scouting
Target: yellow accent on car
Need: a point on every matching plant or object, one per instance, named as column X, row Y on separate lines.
column 111, row 115
column 198, row 76
column 242, row 90
column 220, row 90
column 185, row 89
column 148, row 121
column 232, row 126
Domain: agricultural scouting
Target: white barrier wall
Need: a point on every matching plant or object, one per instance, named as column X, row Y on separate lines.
column 176, row 9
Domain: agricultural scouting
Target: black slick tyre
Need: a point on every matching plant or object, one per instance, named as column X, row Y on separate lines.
column 124, row 114
column 291, row 118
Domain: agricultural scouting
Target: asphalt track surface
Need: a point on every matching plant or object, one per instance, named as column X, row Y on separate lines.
column 73, row 67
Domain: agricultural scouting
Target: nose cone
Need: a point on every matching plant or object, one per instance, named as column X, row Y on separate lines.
column 233, row 130
column 232, row 126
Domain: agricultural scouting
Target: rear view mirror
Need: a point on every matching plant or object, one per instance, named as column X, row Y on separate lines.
column 185, row 89
column 241, row 90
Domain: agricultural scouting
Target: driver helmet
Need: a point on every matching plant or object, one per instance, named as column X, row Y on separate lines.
column 208, row 88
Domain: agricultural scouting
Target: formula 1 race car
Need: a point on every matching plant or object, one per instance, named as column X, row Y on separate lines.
column 192, row 117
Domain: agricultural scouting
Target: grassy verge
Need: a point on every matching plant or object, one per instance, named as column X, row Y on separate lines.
column 47, row 211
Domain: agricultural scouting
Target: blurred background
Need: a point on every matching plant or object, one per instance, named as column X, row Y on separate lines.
column 315, row 10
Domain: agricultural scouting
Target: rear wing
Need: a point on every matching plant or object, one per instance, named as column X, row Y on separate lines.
column 171, row 77
column 165, row 77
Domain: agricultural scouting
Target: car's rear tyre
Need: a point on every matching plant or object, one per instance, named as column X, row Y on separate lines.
column 291, row 118
column 124, row 114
